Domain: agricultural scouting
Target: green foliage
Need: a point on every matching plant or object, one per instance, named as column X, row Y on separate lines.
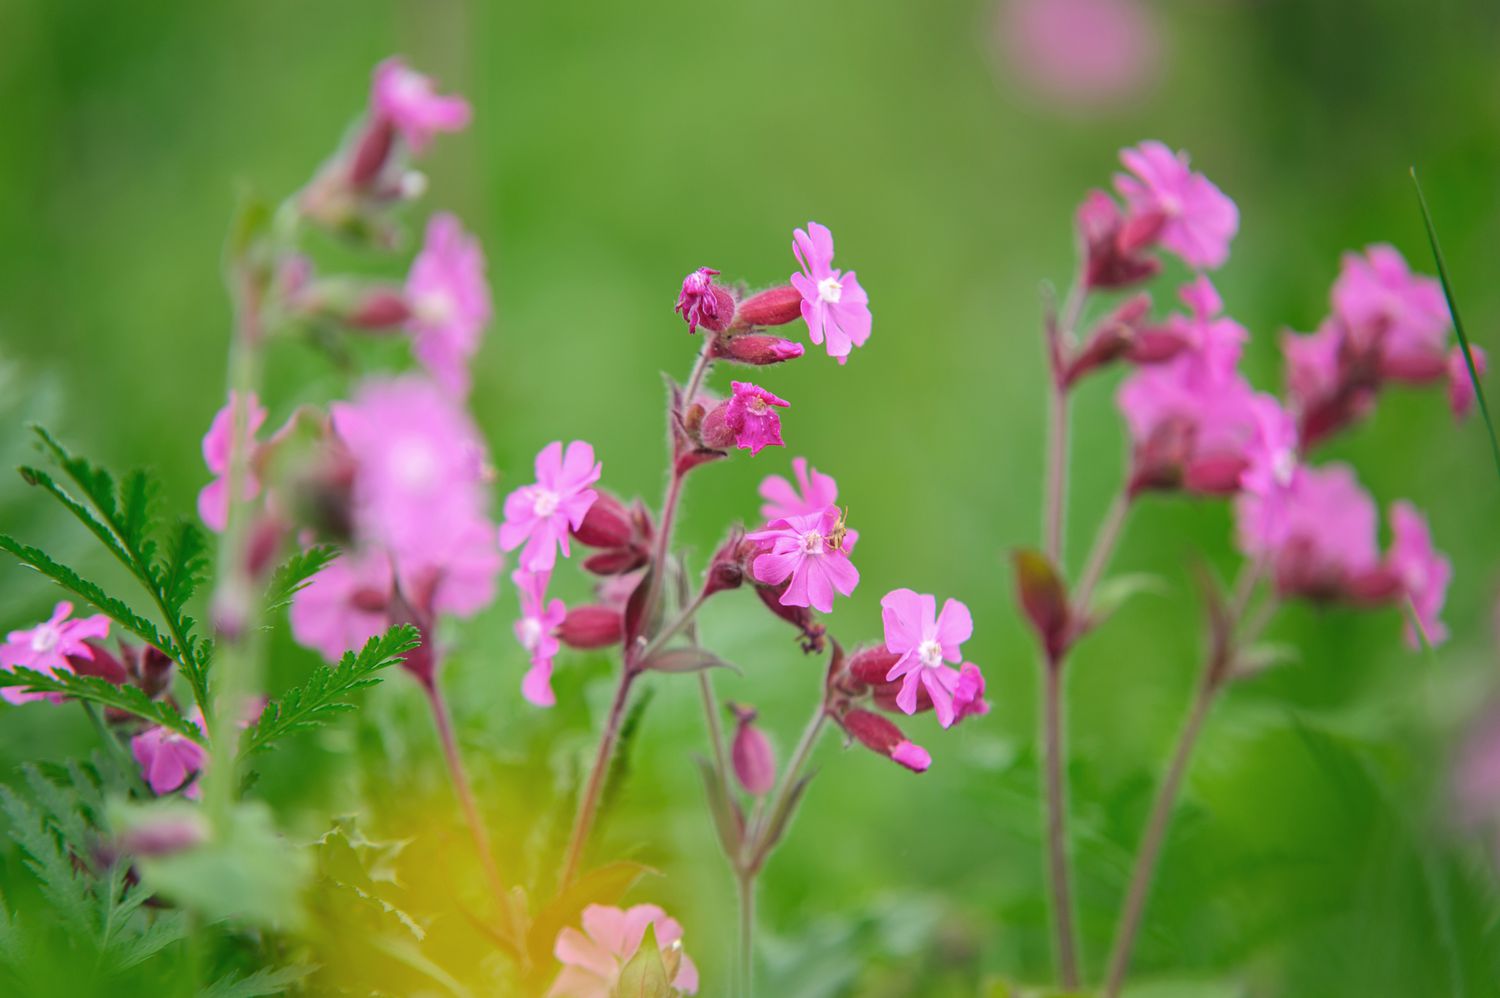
column 645, row 975
column 116, row 609
column 270, row 981
column 327, row 692
column 106, row 694
column 294, row 574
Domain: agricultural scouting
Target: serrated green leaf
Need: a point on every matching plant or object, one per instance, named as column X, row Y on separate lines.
column 327, row 691
column 90, row 592
column 270, row 981
column 59, row 883
column 184, row 563
column 131, row 699
column 295, row 573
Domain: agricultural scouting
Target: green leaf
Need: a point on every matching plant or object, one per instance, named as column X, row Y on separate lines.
column 328, row 691
column 645, row 976
column 688, row 659
column 270, row 981
column 1458, row 324
column 62, row 886
column 85, row 590
column 729, row 822
column 131, row 699
column 184, row 563
column 295, row 573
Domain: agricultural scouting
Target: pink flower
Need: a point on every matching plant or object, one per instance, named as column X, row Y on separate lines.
column 703, row 303
column 1423, row 571
column 1265, row 485
column 813, row 493
column 450, row 302
column 536, row 630
column 169, row 759
column 809, row 551
column 541, row 515
column 1325, row 540
column 1081, row 53
column 406, row 99
column 345, row 604
column 925, row 639
column 213, row 500
column 1460, row 385
column 833, row 303
column 592, row 959
column 751, row 416
column 420, row 468
column 1197, row 221
column 457, row 578
column 1313, row 367
column 1379, row 300
column 968, row 695
column 46, row 648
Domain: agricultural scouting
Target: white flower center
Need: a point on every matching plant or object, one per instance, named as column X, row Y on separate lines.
column 756, row 404
column 812, row 542
column 830, row 290
column 435, row 308
column 413, row 463
column 410, row 85
column 544, row 502
column 931, row 653
column 1283, row 465
column 45, row 638
column 531, row 633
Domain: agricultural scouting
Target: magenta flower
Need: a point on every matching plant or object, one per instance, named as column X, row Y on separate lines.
column 751, row 416
column 1265, row 484
column 1082, row 53
column 536, row 630
column 808, row 551
column 1314, row 370
column 1380, row 301
column 540, row 515
column 1423, row 571
column 449, row 298
column 47, row 647
column 345, row 604
column 168, row 759
column 1323, row 540
column 1460, row 385
column 968, row 695
column 703, row 303
column 925, row 639
column 1196, row 220
column 213, row 500
column 406, row 99
column 458, row 578
column 592, row 959
column 834, row 306
column 813, row 492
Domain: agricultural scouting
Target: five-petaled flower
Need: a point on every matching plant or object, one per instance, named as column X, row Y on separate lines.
column 1189, row 215
column 592, row 959
column 47, row 647
column 449, row 298
column 540, row 515
column 834, row 306
column 926, row 639
column 407, row 99
column 809, row 551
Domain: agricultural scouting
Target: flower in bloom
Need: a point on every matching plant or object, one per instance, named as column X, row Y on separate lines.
column 1323, row 540
column 809, row 551
column 834, row 306
column 968, row 695
column 703, row 303
column 1271, row 466
column 1378, row 299
column 1460, row 385
column 1423, row 571
column 751, row 416
column 1081, row 53
column 1196, row 219
column 346, row 604
column 925, row 639
column 536, row 630
column 540, row 515
column 592, row 959
column 213, row 500
column 47, row 647
column 168, row 759
column 406, row 99
column 450, row 302
column 812, row 493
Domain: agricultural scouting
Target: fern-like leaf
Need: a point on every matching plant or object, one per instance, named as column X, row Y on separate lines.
column 101, row 691
column 60, row 883
column 270, row 981
column 184, row 563
column 90, row 592
column 327, row 692
column 295, row 573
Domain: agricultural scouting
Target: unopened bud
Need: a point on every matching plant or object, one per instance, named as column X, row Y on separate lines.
column 756, row 349
column 1108, row 263
column 880, row 735
column 754, row 761
column 379, row 308
column 870, row 665
column 591, row 627
column 727, row 570
column 715, row 431
column 773, row 307
column 1044, row 599
column 607, row 524
column 100, row 662
column 616, row 561
column 371, row 150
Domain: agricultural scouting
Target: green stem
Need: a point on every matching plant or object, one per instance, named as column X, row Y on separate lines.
column 588, row 806
column 746, row 882
column 1054, row 738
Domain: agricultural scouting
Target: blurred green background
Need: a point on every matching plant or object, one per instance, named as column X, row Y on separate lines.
column 616, row 147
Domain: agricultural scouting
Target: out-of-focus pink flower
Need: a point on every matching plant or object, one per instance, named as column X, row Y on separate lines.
column 213, row 500
column 168, row 759
column 1379, row 299
column 751, row 416
column 925, row 639
column 536, row 630
column 1312, row 364
column 345, row 604
column 834, row 306
column 47, row 647
column 703, row 303
column 808, row 551
column 1423, row 571
column 540, row 515
column 1460, row 385
column 449, row 298
column 407, row 99
column 1192, row 217
column 458, row 578
column 1081, row 53
column 1325, row 538
column 592, row 959
column 1271, row 466
column 968, row 695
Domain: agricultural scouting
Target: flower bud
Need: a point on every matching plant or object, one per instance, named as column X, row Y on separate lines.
column 870, row 665
column 102, row 663
column 880, row 735
column 729, row 565
column 703, row 303
column 616, row 561
column 378, row 308
column 715, row 430
column 772, row 307
column 371, row 151
column 1044, row 598
column 755, row 349
column 752, row 756
column 607, row 524
column 1108, row 263
column 814, row 635
column 591, row 627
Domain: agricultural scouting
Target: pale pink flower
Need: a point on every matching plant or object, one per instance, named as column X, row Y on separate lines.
column 1460, row 385
column 168, row 759
column 1379, row 299
column 592, row 959
column 812, row 493
column 751, row 415
column 46, row 648
column 808, row 551
column 1423, row 571
column 540, row 515
column 925, row 639
column 406, row 99
column 345, row 604
column 213, row 500
column 1081, row 53
column 536, row 630
column 833, row 304
column 449, row 298
column 1196, row 219
column 459, row 577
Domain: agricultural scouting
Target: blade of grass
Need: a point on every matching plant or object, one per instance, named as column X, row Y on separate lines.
column 1458, row 325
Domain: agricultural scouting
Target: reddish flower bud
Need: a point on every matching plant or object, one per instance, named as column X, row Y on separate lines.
column 591, row 627
column 703, row 303
column 870, row 665
column 616, row 561
column 1109, row 264
column 878, row 734
column 1044, row 598
column 715, row 431
column 773, row 307
column 1155, row 346
column 379, row 309
column 371, row 150
column 756, row 349
column 103, row 664
column 728, row 568
column 607, row 524
column 1111, row 339
column 752, row 756
column 813, row 634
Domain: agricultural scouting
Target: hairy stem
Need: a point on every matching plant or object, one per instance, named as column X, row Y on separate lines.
column 588, row 806
column 746, row 966
column 1054, row 737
